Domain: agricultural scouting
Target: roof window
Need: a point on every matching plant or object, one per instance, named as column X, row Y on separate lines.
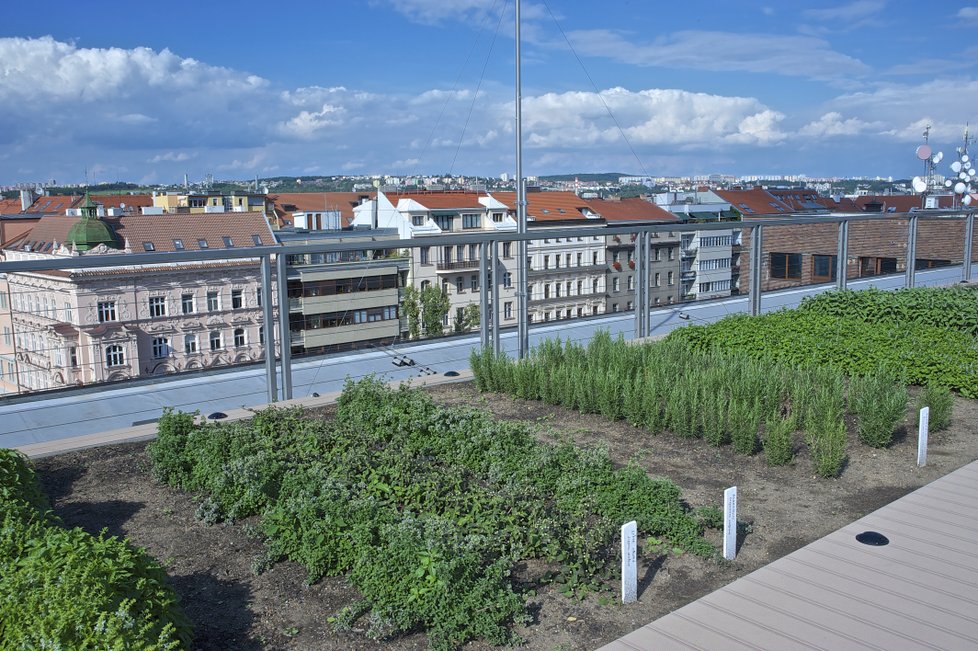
column 256, row 238
column 148, row 246
column 228, row 243
column 202, row 243
column 178, row 244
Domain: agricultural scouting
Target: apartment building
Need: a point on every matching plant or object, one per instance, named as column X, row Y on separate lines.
column 453, row 267
column 567, row 276
column 349, row 300
column 77, row 327
column 664, row 272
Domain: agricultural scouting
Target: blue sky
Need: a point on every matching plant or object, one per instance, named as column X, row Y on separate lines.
column 150, row 91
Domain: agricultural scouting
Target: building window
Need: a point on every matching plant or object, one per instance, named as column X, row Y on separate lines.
column 786, row 265
column 215, row 339
column 161, row 347
column 594, row 258
column 417, row 220
column 258, row 297
column 261, row 335
column 68, row 315
column 580, row 287
column 507, row 279
column 594, row 286
column 508, row 310
column 239, row 337
column 187, row 303
column 658, row 278
column 228, row 242
column 425, row 284
column 507, row 249
column 213, row 301
column 471, row 221
column 546, row 290
column 823, row 267
column 237, row 299
column 615, row 284
column 614, row 307
column 672, row 278
column 459, row 284
column 72, row 356
column 157, row 306
column 546, row 262
column 672, row 253
column 115, row 356
column 580, row 260
column 190, row 344
column 629, row 306
column 3, row 300
column 631, row 283
column 106, row 311
column 557, row 290
column 425, row 255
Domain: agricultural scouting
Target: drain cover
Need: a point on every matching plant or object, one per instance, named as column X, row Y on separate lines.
column 451, row 373
column 217, row 415
column 873, row 538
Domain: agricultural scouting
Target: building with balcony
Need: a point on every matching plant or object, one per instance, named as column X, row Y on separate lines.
column 75, row 327
column 345, row 300
column 621, row 277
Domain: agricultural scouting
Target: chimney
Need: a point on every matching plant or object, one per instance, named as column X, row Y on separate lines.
column 26, row 199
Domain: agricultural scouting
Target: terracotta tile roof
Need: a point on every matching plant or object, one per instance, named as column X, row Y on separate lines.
column 55, row 204
column 754, row 202
column 631, row 210
column 800, row 199
column 844, row 204
column 286, row 203
column 442, row 200
column 133, row 201
column 9, row 206
column 549, row 206
column 162, row 232
column 898, row 203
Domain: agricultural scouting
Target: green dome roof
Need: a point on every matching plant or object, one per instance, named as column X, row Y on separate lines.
column 90, row 231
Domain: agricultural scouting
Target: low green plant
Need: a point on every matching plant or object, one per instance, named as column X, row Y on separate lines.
column 880, row 404
column 778, row 442
column 940, row 400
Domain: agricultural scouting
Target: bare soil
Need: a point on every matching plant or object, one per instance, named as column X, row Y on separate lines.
column 780, row 510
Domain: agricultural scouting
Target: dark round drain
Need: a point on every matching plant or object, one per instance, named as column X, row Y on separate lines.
column 873, row 538
column 217, row 415
column 315, row 395
column 451, row 373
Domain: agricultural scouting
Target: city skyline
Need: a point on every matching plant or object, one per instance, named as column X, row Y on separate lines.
column 414, row 87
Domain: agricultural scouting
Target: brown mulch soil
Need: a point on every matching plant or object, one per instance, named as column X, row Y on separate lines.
column 781, row 509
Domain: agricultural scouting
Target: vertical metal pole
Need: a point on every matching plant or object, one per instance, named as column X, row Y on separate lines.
column 756, row 269
column 496, row 267
column 911, row 251
column 269, row 319
column 639, row 299
column 647, row 281
column 522, row 300
column 484, row 298
column 842, row 256
column 969, row 233
column 284, row 328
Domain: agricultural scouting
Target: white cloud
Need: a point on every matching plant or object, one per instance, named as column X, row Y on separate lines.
column 804, row 56
column 308, row 124
column 172, row 157
column 848, row 13
column 969, row 15
column 833, row 124
column 649, row 117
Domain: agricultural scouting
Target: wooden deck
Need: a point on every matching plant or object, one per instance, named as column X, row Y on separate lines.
column 918, row 592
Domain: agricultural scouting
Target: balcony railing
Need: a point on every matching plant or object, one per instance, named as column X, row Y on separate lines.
column 442, row 265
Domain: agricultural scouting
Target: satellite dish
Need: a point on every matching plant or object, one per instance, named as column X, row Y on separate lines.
column 923, row 152
column 948, row 183
column 938, row 157
column 919, row 185
column 964, row 158
column 956, row 166
column 963, row 175
column 967, row 166
column 959, row 188
column 971, row 172
column 966, row 199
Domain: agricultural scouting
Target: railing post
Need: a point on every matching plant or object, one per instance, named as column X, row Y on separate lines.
column 285, row 330
column 756, row 268
column 911, row 251
column 269, row 319
column 639, row 285
column 969, row 233
column 842, row 256
column 645, row 237
column 495, row 297
column 484, row 292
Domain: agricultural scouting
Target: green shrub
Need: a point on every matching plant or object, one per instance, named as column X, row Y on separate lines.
column 779, row 447
column 880, row 404
column 827, row 442
column 66, row 589
column 941, row 401
column 170, row 465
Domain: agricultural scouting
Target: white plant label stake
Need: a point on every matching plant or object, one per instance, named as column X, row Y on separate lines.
column 629, row 562
column 730, row 523
column 922, row 436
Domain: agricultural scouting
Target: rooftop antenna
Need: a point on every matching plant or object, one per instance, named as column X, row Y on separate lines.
column 962, row 184
column 922, row 184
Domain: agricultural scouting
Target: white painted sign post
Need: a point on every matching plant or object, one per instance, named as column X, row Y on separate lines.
column 730, row 523
column 629, row 562
column 922, row 427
